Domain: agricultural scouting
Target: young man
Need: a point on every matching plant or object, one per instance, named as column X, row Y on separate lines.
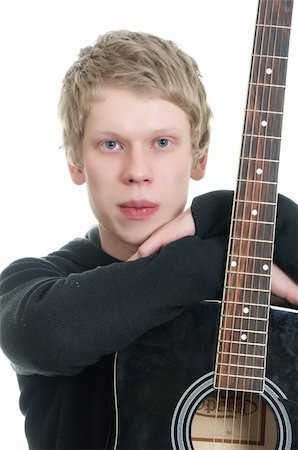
column 136, row 129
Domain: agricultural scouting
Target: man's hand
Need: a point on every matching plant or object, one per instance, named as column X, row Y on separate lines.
column 183, row 225
column 284, row 287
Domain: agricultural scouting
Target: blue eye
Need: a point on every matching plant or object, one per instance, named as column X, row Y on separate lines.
column 163, row 143
column 110, row 145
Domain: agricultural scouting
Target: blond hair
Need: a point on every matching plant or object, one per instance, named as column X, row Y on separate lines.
column 136, row 61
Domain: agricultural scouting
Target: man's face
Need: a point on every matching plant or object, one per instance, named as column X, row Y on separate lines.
column 137, row 164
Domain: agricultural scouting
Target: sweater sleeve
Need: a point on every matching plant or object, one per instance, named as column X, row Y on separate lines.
column 55, row 320
column 212, row 216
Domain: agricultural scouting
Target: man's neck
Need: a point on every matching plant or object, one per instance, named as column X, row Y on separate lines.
column 116, row 248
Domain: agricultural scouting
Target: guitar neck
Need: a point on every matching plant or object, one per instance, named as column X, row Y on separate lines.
column 242, row 347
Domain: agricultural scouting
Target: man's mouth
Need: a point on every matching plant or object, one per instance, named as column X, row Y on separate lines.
column 138, row 209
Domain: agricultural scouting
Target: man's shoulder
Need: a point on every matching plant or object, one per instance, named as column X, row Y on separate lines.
column 78, row 255
column 83, row 252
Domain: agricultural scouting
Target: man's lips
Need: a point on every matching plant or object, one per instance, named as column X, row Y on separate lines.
column 138, row 209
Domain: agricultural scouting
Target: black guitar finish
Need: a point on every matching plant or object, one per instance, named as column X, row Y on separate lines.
column 154, row 373
column 163, row 379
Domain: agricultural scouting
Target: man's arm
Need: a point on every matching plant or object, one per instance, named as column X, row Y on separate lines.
column 184, row 225
column 58, row 316
column 55, row 320
column 283, row 286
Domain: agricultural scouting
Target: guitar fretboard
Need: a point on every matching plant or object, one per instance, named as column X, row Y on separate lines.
column 242, row 347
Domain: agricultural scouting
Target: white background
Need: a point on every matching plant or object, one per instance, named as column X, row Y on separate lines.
column 40, row 207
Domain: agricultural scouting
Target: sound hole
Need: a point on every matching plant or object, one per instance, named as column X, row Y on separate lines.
column 233, row 420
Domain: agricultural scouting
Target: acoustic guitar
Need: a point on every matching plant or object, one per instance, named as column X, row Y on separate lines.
column 224, row 375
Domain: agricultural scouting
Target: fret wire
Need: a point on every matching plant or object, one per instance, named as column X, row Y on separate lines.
column 241, row 376
column 236, row 389
column 247, row 289
column 266, row 275
column 240, row 365
column 253, row 344
column 241, row 331
column 251, row 257
column 270, row 56
column 249, row 221
column 244, row 317
column 262, row 136
column 262, row 241
column 263, row 111
column 244, row 355
column 260, row 159
column 258, row 181
column 235, row 302
column 258, row 202
column 267, row 84
column 250, row 372
column 273, row 26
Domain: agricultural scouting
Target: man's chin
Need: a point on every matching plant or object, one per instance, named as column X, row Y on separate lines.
column 124, row 240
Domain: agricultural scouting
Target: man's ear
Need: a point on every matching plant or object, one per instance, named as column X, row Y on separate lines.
column 198, row 171
column 77, row 174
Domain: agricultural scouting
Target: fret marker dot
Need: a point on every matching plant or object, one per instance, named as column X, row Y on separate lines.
column 254, row 212
column 259, row 171
column 269, row 71
column 264, row 123
column 246, row 310
column 243, row 337
column 233, row 263
column 265, row 267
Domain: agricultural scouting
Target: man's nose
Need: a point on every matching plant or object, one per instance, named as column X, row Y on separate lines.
column 137, row 167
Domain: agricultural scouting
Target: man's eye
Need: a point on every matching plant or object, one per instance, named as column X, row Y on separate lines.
column 163, row 142
column 111, row 145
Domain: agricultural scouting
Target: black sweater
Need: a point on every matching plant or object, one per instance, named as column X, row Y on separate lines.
column 63, row 316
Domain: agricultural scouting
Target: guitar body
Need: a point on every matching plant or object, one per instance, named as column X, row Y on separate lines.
column 164, row 388
column 164, row 382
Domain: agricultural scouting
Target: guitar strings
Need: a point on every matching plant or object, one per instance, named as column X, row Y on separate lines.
column 266, row 147
column 246, row 205
column 236, row 273
column 253, row 195
column 272, row 123
column 261, row 148
column 262, row 195
column 251, row 205
column 232, row 274
column 260, row 157
column 274, row 117
column 242, row 175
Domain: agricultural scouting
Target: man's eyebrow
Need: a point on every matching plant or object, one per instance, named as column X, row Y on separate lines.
column 166, row 130
column 107, row 132
column 159, row 131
